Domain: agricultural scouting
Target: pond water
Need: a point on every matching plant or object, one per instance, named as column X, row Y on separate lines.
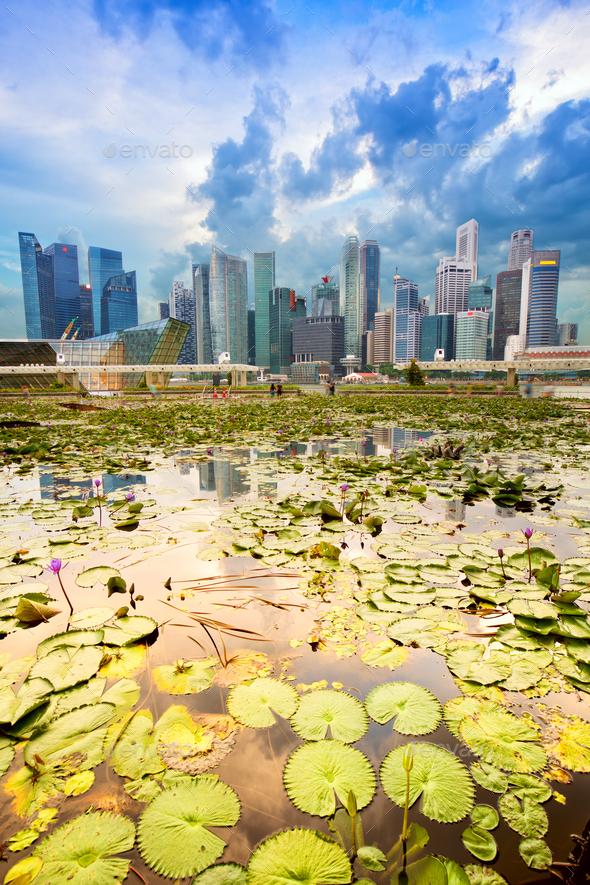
column 234, row 578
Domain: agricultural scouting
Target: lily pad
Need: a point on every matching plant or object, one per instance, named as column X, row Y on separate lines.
column 568, row 741
column 222, row 874
column 99, row 574
column 483, row 875
column 124, row 631
column 256, row 704
column 79, row 731
column 535, row 853
column 173, row 835
column 185, row 677
column 480, row 843
column 319, row 771
column 89, row 618
column 297, row 856
column 32, row 694
column 528, row 819
column 337, row 711
column 385, row 654
column 65, row 666
column 414, row 709
column 485, row 816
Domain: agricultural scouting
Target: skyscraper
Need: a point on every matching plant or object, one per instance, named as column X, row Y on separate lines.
column 164, row 310
column 252, row 337
column 351, row 304
column 567, row 333
column 182, row 307
column 507, row 311
column 480, row 294
column 86, row 324
column 370, row 282
column 201, row 288
column 521, row 247
column 228, row 306
column 406, row 320
column 283, row 307
column 102, row 265
column 438, row 333
column 264, row 281
column 66, row 285
column 452, row 285
column 466, row 241
column 325, row 298
column 38, row 290
column 383, row 338
column 472, row 335
column 118, row 306
column 538, row 305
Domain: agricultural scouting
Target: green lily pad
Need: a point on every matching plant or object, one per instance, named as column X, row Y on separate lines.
column 535, row 853
column 173, row 835
column 485, row 816
column 385, row 654
column 528, row 819
column 297, row 856
column 337, row 711
column 79, row 731
column 255, row 704
column 479, row 842
column 414, row 709
column 99, row 574
column 124, row 631
column 72, row 639
column 483, row 875
column 319, row 771
column 90, row 618
column 66, row 666
column 222, row 874
column 32, row 694
column 489, row 777
column 185, row 677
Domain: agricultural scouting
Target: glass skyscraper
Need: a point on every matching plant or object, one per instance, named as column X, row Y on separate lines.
column 480, row 294
column 86, row 324
column 201, row 289
column 370, row 282
column 264, row 281
column 438, row 332
column 325, row 298
column 66, row 285
column 538, row 311
column 228, row 306
column 118, row 309
column 183, row 307
column 283, row 308
column 38, row 289
column 252, row 337
column 508, row 295
column 351, row 304
column 102, row 265
column 406, row 320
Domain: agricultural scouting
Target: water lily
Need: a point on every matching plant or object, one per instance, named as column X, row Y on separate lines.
column 130, row 496
column 54, row 566
column 501, row 555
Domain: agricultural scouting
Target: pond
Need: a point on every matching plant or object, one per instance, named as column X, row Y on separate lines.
column 232, row 636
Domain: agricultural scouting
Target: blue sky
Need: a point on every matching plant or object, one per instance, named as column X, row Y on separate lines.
column 290, row 123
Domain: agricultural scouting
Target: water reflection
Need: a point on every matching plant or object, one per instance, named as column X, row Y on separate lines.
column 52, row 485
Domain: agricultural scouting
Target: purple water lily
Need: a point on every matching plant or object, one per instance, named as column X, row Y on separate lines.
column 501, row 555
column 54, row 566
column 528, row 533
column 130, row 496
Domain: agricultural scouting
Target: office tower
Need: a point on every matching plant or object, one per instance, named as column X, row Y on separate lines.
column 283, row 307
column 319, row 340
column 507, row 310
column 538, row 304
column 351, row 305
column 86, row 324
column 472, row 335
column 228, row 306
column 38, row 290
column 264, row 281
column 164, row 310
column 383, row 338
column 251, row 337
column 438, row 333
column 521, row 248
column 325, row 298
column 201, row 289
column 118, row 305
column 452, row 284
column 424, row 306
column 370, row 282
column 466, row 242
column 102, row 265
column 66, row 285
column 567, row 333
column 183, row 307
column 406, row 320
column 480, row 294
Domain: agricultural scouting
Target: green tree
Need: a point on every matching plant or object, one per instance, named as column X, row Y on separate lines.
column 414, row 375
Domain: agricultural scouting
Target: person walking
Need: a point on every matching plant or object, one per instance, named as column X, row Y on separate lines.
column 272, row 390
column 331, row 389
column 279, row 389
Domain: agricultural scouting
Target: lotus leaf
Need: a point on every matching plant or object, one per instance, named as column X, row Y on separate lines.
column 415, row 630
column 429, row 870
column 66, row 666
column 530, row 819
column 414, row 709
column 23, row 872
column 385, row 654
column 256, row 704
column 297, row 856
column 185, row 677
column 30, row 612
column 243, row 667
column 6, row 754
column 319, row 711
column 483, row 875
column 568, row 741
column 222, row 874
column 99, row 574
column 32, row 694
column 318, row 770
column 126, row 630
column 485, row 816
column 79, row 783
column 535, row 853
column 172, row 833
column 372, row 858
column 89, row 618
column 79, row 731
column 527, row 785
column 437, row 776
column 480, row 843
column 72, row 639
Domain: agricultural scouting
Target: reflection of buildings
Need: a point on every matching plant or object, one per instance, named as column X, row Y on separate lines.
column 52, row 486
column 455, row 510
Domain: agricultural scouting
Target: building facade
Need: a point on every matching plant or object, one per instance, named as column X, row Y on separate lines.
column 351, row 305
column 228, row 306
column 471, row 341
column 252, row 337
column 507, row 309
column 102, row 265
column 182, row 307
column 38, row 291
column 567, row 333
column 370, row 282
column 521, row 248
column 118, row 306
column 203, row 316
column 466, row 242
column 538, row 308
column 164, row 310
column 325, row 298
column 66, row 285
column 383, row 338
column 406, row 320
column 438, row 333
column 86, row 324
column 319, row 340
column 452, row 285
column 284, row 307
column 264, row 281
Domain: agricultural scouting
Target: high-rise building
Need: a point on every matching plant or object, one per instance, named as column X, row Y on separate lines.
column 567, row 333
column 383, row 338
column 521, row 248
column 472, row 335
column 319, row 339
column 370, row 282
column 264, row 281
column 480, row 294
column 351, row 301
column 406, row 321
column 164, row 310
column 66, row 285
column 283, row 307
column 538, row 305
column 466, row 242
column 368, row 351
column 183, row 308
column 424, row 306
column 228, row 306
column 38, row 289
column 438, row 333
column 507, row 309
column 201, row 289
column 325, row 298
column 452, row 285
column 86, row 324
column 118, row 306
column 252, row 337
column 102, row 265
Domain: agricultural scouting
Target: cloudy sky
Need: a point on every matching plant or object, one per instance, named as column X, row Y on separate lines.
column 283, row 127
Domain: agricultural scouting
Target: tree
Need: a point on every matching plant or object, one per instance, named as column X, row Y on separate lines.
column 414, row 375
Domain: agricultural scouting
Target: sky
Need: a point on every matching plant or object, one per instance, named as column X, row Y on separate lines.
column 161, row 128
